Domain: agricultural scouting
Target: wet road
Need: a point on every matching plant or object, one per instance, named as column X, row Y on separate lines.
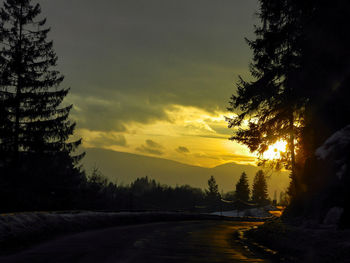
column 190, row 241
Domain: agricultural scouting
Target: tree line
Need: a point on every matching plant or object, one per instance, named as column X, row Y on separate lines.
column 147, row 194
column 257, row 196
column 39, row 161
column 259, row 193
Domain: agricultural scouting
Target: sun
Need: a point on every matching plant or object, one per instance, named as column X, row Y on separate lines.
column 274, row 151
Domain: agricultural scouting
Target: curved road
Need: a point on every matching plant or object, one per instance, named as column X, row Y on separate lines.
column 187, row 241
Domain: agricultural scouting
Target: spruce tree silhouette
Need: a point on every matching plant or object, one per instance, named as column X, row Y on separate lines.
column 38, row 166
column 259, row 192
column 272, row 103
column 212, row 193
column 242, row 188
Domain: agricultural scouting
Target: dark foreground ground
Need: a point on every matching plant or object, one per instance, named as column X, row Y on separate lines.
column 298, row 243
column 190, row 241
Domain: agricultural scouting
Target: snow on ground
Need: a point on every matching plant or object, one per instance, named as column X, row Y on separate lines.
column 336, row 142
column 336, row 147
column 252, row 212
column 19, row 229
column 35, row 224
column 22, row 229
column 333, row 216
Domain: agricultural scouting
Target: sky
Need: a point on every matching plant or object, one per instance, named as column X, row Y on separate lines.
column 154, row 77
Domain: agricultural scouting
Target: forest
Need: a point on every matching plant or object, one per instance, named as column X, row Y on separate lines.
column 298, row 93
column 40, row 162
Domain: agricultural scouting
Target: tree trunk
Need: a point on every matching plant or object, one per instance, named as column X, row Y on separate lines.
column 295, row 183
column 18, row 89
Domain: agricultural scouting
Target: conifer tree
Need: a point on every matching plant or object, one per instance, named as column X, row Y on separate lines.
column 212, row 194
column 259, row 192
column 273, row 103
column 34, row 126
column 213, row 188
column 242, row 188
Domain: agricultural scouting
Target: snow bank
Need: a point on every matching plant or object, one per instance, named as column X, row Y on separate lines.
column 339, row 141
column 22, row 229
column 333, row 216
column 336, row 147
column 252, row 212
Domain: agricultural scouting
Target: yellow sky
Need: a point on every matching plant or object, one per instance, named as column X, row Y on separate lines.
column 190, row 135
column 129, row 67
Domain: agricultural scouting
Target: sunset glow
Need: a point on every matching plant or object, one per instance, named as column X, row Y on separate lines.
column 275, row 150
column 202, row 135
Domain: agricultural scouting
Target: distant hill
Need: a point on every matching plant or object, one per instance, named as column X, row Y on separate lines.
column 123, row 168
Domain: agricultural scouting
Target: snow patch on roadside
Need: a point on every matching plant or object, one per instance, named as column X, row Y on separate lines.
column 36, row 226
column 337, row 147
column 252, row 212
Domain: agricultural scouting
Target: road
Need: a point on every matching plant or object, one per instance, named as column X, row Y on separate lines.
column 190, row 241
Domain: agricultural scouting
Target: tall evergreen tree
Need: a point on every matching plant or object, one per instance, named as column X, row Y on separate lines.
column 213, row 188
column 300, row 88
column 212, row 194
column 259, row 192
column 242, row 188
column 34, row 128
column 273, row 103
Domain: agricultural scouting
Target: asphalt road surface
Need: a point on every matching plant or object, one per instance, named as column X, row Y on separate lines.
column 190, row 241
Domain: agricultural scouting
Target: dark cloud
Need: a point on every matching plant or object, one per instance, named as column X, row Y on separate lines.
column 145, row 149
column 211, row 136
column 140, row 56
column 219, row 128
column 104, row 115
column 108, row 140
column 151, row 147
column 182, row 149
column 232, row 157
column 153, row 144
column 239, row 158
